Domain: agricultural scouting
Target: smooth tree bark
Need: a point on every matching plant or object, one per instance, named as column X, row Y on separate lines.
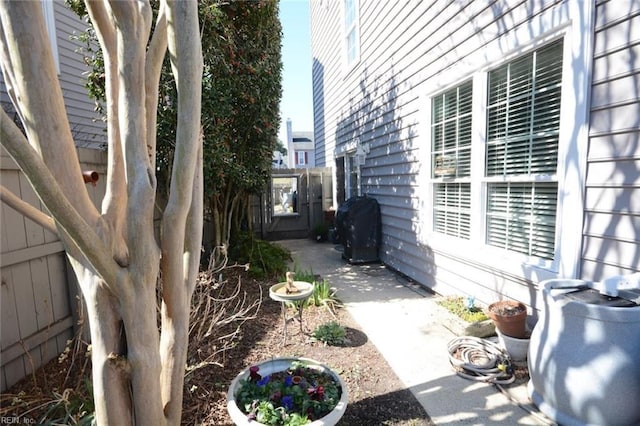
column 138, row 369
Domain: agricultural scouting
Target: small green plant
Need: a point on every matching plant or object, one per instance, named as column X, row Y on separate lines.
column 307, row 276
column 71, row 407
column 457, row 306
column 323, row 293
column 330, row 333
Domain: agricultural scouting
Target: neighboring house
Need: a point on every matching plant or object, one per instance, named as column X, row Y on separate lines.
column 300, row 149
column 501, row 138
column 38, row 291
column 278, row 160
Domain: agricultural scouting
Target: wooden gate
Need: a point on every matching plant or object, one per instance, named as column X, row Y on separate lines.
column 295, row 202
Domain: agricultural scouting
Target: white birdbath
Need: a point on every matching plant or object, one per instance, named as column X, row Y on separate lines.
column 280, row 292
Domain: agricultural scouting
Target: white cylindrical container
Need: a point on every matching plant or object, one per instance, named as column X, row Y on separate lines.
column 584, row 356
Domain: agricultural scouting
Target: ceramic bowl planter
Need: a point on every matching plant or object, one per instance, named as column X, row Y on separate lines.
column 510, row 318
column 285, row 380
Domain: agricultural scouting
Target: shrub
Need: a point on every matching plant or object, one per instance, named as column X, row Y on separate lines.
column 330, row 333
column 323, row 293
column 265, row 259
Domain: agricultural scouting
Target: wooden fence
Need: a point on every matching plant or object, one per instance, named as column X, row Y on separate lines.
column 38, row 289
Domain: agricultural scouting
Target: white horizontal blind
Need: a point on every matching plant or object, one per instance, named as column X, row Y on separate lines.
column 523, row 122
column 451, row 160
column 522, row 217
column 452, row 207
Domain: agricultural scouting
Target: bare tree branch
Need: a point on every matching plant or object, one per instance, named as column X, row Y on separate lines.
column 155, row 56
column 28, row 210
column 49, row 191
column 132, row 20
column 40, row 101
column 114, row 202
column 185, row 51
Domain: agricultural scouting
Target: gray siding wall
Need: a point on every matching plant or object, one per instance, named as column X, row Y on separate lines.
column 409, row 51
column 611, row 238
column 87, row 128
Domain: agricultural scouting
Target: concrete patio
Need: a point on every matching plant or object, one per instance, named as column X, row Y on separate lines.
column 412, row 331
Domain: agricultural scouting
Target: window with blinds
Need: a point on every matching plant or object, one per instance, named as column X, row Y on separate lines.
column 451, row 114
column 452, row 207
column 523, row 122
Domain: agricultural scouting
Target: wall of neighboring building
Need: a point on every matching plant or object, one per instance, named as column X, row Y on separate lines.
column 411, row 52
column 303, row 149
column 86, row 126
column 611, row 244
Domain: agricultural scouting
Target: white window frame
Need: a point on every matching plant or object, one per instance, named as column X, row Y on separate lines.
column 526, row 178
column 353, row 172
column 577, row 49
column 451, row 175
column 300, row 158
column 347, row 29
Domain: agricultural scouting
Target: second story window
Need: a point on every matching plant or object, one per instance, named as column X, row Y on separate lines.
column 302, row 158
column 351, row 32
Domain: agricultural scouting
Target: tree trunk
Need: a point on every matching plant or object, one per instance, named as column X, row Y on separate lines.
column 138, row 371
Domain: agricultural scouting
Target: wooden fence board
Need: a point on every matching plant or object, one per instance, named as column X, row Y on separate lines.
column 33, row 232
column 41, row 292
column 9, row 324
column 12, row 221
column 60, row 301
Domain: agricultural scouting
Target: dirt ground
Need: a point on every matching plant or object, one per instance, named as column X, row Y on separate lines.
column 376, row 395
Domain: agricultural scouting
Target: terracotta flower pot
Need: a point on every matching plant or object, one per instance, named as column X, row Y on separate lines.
column 510, row 317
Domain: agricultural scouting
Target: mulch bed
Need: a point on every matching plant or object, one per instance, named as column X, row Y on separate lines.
column 376, row 395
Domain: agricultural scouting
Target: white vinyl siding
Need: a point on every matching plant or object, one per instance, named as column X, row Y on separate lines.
column 412, row 52
column 611, row 231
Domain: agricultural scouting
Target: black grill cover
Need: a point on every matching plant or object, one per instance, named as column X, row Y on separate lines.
column 358, row 228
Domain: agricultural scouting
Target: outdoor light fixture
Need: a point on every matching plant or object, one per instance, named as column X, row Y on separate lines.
column 361, row 154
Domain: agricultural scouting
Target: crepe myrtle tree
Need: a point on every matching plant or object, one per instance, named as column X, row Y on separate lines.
column 241, row 92
column 138, row 369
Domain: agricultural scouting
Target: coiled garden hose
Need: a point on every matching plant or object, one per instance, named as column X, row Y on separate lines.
column 481, row 360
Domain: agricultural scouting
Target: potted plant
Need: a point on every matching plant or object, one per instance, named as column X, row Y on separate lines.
column 287, row 391
column 510, row 318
